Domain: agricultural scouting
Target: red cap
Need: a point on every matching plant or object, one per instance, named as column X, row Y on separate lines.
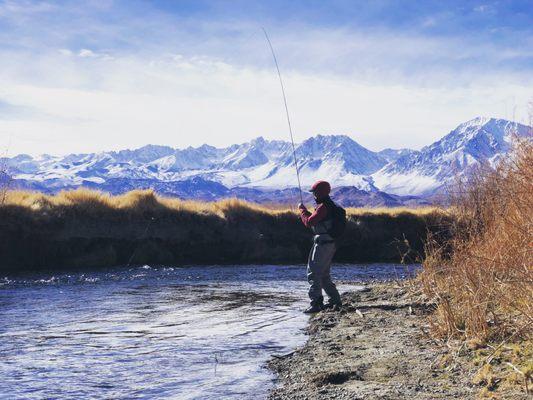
column 321, row 189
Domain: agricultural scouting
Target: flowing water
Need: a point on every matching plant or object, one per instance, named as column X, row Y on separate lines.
column 156, row 333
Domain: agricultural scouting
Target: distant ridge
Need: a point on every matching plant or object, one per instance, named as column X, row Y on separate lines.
column 261, row 168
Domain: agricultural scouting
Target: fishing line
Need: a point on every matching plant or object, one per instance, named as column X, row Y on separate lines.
column 286, row 112
column 152, row 219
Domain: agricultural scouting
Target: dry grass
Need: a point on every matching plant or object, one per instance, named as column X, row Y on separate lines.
column 5, row 180
column 145, row 200
column 482, row 279
column 394, row 211
column 90, row 228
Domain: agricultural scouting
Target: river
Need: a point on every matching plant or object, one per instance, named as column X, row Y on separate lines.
column 202, row 332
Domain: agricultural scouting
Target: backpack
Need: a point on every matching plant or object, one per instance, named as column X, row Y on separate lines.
column 338, row 216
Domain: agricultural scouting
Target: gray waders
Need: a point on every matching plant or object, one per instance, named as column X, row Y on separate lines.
column 318, row 270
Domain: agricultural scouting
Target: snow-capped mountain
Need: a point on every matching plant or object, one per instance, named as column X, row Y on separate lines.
column 261, row 165
column 393, row 154
column 479, row 141
column 258, row 163
column 337, row 157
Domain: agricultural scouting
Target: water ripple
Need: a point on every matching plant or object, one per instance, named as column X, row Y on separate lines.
column 154, row 333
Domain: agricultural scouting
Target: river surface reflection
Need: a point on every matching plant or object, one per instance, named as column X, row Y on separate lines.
column 202, row 332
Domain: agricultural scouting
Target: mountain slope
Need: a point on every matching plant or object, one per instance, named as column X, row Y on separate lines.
column 337, row 158
column 391, row 155
column 258, row 163
column 479, row 141
column 265, row 166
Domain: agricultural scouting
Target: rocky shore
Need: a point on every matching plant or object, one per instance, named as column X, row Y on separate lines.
column 377, row 347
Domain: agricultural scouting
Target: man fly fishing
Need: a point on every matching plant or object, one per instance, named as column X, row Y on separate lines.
column 327, row 222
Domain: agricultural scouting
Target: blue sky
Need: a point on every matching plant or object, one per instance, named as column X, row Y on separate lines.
column 99, row 75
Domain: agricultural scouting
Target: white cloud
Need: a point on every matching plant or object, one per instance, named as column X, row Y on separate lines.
column 16, row 8
column 87, row 85
column 182, row 101
column 485, row 8
column 87, row 53
column 65, row 52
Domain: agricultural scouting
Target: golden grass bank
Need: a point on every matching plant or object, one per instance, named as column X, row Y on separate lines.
column 85, row 228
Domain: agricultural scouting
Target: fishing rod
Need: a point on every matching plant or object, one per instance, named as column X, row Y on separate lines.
column 286, row 112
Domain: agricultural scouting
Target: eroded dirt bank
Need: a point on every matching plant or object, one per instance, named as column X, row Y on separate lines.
column 83, row 229
column 375, row 348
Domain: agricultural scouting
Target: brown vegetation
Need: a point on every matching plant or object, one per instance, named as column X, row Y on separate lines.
column 482, row 279
column 88, row 228
column 142, row 200
column 5, row 180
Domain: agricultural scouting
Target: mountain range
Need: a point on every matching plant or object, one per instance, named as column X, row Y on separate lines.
column 263, row 170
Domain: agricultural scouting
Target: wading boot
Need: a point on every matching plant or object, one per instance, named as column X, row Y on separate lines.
column 313, row 309
column 334, row 306
column 316, row 306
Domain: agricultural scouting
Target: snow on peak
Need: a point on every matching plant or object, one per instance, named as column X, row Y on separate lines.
column 263, row 163
column 478, row 141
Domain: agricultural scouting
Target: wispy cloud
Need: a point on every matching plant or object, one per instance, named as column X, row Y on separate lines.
column 121, row 74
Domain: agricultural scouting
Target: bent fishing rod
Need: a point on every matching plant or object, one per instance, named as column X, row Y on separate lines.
column 286, row 112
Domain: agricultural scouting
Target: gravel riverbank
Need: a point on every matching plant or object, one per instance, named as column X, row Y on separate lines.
column 375, row 348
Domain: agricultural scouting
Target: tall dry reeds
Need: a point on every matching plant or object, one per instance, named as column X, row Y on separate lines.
column 482, row 279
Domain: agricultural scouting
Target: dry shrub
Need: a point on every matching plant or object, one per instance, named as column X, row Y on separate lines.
column 482, row 280
column 5, row 180
column 83, row 199
column 33, row 200
column 138, row 201
column 394, row 211
column 192, row 206
column 235, row 208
